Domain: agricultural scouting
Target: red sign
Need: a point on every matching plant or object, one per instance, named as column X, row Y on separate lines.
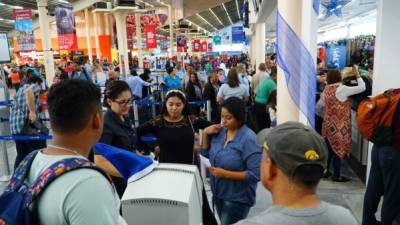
column 196, row 45
column 66, row 30
column 22, row 14
column 151, row 38
column 204, row 46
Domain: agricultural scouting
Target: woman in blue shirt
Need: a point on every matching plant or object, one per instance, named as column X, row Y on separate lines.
column 171, row 81
column 235, row 162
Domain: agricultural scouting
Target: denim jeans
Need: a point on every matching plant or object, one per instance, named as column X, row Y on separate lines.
column 334, row 159
column 384, row 180
column 230, row 212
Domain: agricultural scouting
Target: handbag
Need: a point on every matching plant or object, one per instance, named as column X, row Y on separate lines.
column 34, row 129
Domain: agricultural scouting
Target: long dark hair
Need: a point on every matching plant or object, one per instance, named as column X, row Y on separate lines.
column 197, row 79
column 233, row 78
column 113, row 89
column 179, row 94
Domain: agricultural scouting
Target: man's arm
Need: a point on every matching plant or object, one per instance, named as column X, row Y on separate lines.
column 30, row 101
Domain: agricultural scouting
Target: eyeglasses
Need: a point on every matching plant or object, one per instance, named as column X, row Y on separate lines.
column 124, row 102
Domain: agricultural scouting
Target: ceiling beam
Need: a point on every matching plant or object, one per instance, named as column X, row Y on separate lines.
column 202, row 18
column 229, row 17
column 215, row 15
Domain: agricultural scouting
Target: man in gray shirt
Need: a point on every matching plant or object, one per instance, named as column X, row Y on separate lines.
column 294, row 158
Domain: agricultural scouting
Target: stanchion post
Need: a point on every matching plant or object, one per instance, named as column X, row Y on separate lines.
column 153, row 106
column 208, row 110
column 136, row 113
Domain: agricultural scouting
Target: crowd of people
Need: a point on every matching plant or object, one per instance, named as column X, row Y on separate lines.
column 289, row 160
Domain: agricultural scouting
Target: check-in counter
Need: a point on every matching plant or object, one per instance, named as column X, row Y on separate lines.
column 359, row 151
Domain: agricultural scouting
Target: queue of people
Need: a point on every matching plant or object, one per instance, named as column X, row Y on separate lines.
column 289, row 160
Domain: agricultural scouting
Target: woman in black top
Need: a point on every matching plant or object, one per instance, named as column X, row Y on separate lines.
column 194, row 93
column 118, row 130
column 174, row 129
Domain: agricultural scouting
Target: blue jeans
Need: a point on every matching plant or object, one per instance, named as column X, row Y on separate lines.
column 334, row 159
column 230, row 212
column 384, row 180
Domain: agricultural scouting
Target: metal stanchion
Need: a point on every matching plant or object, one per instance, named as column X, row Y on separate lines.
column 136, row 113
column 208, row 110
column 153, row 106
column 4, row 127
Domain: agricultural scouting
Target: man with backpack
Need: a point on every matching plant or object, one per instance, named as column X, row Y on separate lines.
column 79, row 193
column 384, row 179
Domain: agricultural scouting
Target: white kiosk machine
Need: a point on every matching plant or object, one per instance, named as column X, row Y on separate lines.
column 170, row 195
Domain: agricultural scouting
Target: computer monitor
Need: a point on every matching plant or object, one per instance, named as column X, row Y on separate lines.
column 170, row 195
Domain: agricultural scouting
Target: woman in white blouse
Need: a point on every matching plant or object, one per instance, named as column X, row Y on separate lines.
column 336, row 127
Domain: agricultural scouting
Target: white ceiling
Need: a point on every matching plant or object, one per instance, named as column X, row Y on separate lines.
column 356, row 9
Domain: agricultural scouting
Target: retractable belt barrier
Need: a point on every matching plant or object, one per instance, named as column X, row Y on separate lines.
column 2, row 119
column 25, row 138
column 11, row 103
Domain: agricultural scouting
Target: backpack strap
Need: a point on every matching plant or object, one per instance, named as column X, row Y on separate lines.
column 57, row 169
column 22, row 171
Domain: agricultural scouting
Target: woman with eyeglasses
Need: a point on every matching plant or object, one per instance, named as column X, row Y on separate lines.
column 118, row 130
column 175, row 131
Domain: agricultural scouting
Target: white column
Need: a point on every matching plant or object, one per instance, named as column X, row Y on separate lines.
column 303, row 21
column 46, row 42
column 386, row 58
column 253, row 49
column 122, row 42
column 259, row 45
column 111, row 29
column 88, row 44
column 96, row 35
column 139, row 39
column 106, row 24
column 171, row 32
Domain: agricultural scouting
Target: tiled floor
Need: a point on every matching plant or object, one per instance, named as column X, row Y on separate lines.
column 349, row 195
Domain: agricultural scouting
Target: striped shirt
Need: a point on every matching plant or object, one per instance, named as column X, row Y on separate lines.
column 19, row 112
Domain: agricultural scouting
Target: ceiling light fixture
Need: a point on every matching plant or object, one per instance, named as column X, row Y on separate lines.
column 64, row 1
column 230, row 20
column 212, row 12
column 206, row 21
column 237, row 7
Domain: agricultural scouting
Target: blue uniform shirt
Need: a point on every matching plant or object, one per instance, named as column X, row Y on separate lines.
column 240, row 154
column 136, row 84
column 172, row 82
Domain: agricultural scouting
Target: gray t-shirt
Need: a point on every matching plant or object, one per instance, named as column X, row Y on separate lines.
column 323, row 214
column 79, row 197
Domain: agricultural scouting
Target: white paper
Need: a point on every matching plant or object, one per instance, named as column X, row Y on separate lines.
column 205, row 161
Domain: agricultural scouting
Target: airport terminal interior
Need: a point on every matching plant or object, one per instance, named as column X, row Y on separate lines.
column 214, row 112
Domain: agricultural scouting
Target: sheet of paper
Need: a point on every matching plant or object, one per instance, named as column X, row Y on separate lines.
column 205, row 161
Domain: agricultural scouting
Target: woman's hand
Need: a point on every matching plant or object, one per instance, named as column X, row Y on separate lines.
column 213, row 129
column 218, row 172
column 157, row 150
column 355, row 71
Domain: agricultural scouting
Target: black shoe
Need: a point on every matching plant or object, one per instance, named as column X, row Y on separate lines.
column 327, row 174
column 340, row 179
